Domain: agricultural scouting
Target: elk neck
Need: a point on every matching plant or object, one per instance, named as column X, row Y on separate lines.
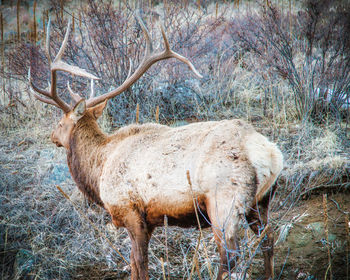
column 86, row 157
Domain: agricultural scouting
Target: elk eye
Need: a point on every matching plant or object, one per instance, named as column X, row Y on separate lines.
column 60, row 125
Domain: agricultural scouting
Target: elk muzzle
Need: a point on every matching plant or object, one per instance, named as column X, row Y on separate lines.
column 55, row 140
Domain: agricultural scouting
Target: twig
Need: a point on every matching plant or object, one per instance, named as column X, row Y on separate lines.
column 162, row 263
column 326, row 273
column 197, row 267
column 157, row 114
column 18, row 24
column 262, row 235
column 137, row 113
column 338, row 207
column 21, row 143
column 284, row 264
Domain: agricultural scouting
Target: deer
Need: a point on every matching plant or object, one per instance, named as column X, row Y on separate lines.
column 138, row 173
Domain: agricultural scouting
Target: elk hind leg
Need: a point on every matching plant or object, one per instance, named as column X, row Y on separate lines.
column 228, row 250
column 258, row 220
column 224, row 222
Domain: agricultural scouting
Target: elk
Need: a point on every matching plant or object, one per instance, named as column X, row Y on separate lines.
column 138, row 174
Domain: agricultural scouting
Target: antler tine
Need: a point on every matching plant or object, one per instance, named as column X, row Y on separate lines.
column 64, row 43
column 92, row 89
column 149, row 59
column 176, row 55
column 48, row 53
column 76, row 97
column 46, row 100
column 49, row 99
column 149, row 46
column 165, row 38
column 57, row 64
column 130, row 68
column 41, row 91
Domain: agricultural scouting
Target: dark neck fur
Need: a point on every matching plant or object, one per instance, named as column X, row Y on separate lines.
column 85, row 157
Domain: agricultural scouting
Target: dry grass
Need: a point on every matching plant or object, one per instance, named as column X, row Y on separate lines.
column 63, row 244
column 37, row 218
column 317, row 158
column 43, row 235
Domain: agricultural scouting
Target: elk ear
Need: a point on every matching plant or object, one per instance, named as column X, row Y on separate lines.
column 98, row 109
column 78, row 110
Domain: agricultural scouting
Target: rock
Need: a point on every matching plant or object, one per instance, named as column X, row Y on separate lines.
column 318, row 231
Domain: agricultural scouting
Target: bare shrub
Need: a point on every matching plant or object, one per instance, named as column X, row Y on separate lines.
column 105, row 40
column 309, row 49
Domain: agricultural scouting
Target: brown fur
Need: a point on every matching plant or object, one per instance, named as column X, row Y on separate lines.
column 182, row 215
column 84, row 158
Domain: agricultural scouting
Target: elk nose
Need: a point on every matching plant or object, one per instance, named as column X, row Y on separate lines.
column 54, row 140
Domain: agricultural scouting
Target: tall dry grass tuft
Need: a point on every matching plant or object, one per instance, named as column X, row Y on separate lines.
column 317, row 160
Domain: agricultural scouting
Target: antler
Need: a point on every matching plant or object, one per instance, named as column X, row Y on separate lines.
column 149, row 59
column 57, row 64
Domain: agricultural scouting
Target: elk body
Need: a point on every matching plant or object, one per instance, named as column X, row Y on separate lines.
column 138, row 174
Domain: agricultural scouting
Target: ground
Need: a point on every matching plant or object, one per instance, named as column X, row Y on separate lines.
column 42, row 230
column 304, row 253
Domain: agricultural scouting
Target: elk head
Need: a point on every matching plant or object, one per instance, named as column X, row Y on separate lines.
column 61, row 134
column 94, row 105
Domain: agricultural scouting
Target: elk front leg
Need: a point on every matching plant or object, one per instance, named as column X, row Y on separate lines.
column 134, row 271
column 140, row 234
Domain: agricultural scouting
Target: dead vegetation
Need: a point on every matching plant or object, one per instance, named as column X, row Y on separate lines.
column 43, row 235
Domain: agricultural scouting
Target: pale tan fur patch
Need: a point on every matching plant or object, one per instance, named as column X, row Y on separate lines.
column 267, row 160
column 224, row 158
